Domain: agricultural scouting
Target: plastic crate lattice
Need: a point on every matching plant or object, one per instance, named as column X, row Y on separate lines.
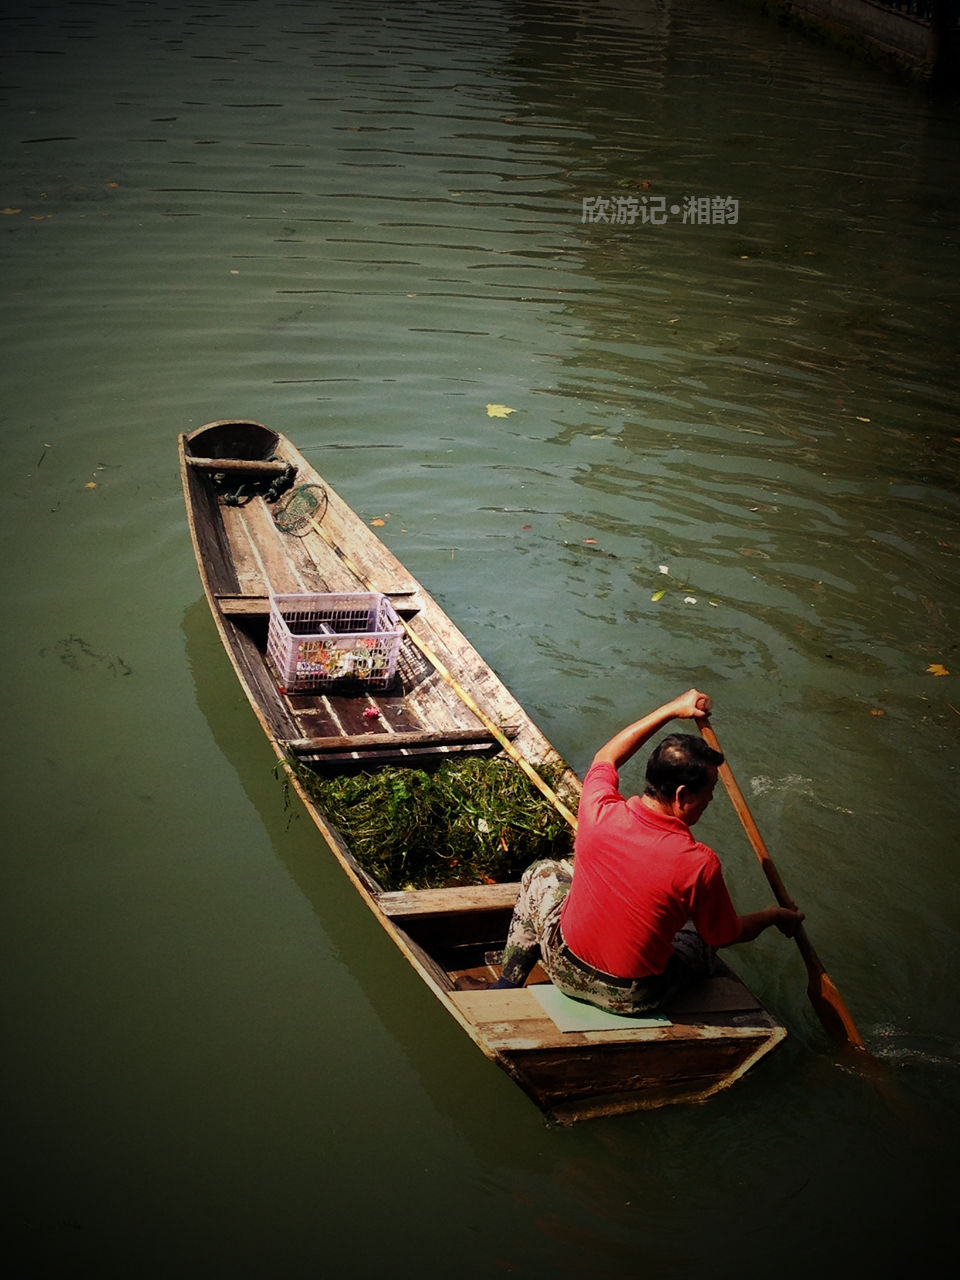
column 325, row 641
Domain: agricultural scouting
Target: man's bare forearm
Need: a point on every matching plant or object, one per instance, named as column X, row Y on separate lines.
column 691, row 705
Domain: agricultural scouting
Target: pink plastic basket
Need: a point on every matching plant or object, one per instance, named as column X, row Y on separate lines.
column 333, row 641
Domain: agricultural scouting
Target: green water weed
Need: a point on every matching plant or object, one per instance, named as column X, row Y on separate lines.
column 468, row 821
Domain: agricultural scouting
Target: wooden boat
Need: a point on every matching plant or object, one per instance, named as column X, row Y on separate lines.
column 442, row 699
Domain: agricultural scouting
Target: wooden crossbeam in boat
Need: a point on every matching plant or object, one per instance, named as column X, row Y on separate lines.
column 404, row 601
column 261, row 466
column 394, row 741
column 458, row 899
column 243, row 606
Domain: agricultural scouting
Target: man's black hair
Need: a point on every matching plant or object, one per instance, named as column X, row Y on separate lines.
column 680, row 760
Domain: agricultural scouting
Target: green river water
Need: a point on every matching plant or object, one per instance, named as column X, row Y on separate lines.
column 362, row 223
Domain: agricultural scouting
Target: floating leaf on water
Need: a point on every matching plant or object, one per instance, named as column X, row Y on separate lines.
column 937, row 669
column 499, row 411
column 689, row 599
column 657, row 595
column 664, row 569
column 378, row 523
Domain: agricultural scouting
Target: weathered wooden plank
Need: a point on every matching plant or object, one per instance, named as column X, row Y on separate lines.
column 210, row 540
column 707, row 1053
column 248, row 657
column 234, row 606
column 236, row 464
column 287, row 566
column 514, row 1020
column 393, row 741
column 350, row 712
column 348, row 534
column 324, row 718
column 597, row 1079
column 405, row 601
column 459, row 899
column 247, row 561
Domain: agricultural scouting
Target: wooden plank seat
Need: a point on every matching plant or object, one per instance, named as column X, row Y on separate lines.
column 243, row 606
column 463, row 899
column 393, row 741
column 236, row 605
column 516, row 1018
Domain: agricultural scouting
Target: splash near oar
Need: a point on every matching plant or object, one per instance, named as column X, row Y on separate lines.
column 821, row 989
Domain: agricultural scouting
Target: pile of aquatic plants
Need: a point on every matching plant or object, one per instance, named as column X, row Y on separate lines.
column 467, row 821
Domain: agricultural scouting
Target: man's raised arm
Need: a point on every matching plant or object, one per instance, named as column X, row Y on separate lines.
column 691, row 705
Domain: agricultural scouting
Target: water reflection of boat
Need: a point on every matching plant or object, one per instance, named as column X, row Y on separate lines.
column 424, row 695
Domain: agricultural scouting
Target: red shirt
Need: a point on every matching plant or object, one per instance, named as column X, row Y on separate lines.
column 639, row 876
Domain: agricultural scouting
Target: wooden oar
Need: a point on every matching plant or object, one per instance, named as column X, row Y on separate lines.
column 821, row 989
column 442, row 670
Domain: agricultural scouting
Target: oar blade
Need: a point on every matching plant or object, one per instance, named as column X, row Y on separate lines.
column 832, row 1011
column 823, row 994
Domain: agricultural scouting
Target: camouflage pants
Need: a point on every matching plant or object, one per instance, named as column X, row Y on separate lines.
column 535, row 935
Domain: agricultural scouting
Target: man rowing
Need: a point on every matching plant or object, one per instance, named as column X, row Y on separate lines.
column 643, row 909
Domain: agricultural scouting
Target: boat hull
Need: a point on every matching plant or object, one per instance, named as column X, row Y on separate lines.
column 445, row 700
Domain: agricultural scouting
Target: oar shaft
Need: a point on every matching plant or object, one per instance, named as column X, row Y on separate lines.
column 822, row 990
column 746, row 818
